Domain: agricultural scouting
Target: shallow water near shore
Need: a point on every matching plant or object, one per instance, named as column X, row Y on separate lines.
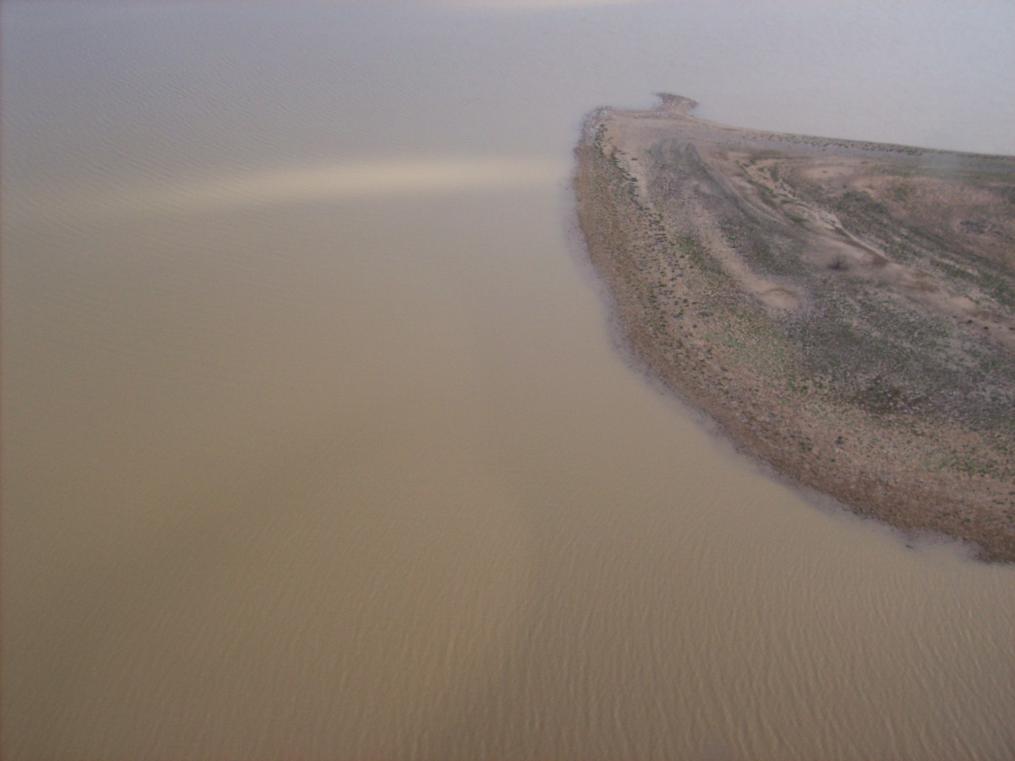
column 316, row 441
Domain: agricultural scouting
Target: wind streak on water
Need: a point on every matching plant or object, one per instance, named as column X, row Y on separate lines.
column 362, row 179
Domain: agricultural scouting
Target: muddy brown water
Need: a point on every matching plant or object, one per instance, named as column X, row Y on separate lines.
column 316, row 441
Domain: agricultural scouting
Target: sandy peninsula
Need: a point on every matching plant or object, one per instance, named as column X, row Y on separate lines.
column 844, row 310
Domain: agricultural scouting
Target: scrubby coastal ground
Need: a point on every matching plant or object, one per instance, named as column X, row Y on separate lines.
column 844, row 310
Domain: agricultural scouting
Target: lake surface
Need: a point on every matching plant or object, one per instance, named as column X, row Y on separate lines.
column 317, row 442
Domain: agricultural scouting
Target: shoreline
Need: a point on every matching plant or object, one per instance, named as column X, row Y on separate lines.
column 842, row 310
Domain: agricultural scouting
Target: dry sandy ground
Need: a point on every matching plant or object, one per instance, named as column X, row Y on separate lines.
column 844, row 310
